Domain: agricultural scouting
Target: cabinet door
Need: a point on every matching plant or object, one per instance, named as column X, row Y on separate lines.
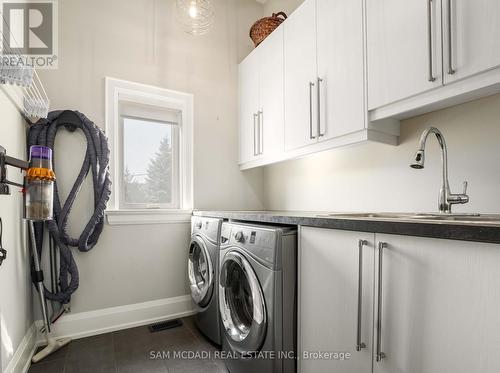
column 440, row 304
column 300, row 75
column 272, row 106
column 474, row 36
column 329, row 269
column 341, row 67
column 248, row 107
column 399, row 51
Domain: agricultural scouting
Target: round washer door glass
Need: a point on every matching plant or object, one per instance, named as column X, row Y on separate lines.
column 242, row 305
column 200, row 272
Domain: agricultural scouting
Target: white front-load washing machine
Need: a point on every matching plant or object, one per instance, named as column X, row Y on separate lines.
column 257, row 298
column 203, row 270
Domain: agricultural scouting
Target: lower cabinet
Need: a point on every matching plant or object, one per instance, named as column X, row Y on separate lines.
column 440, row 306
column 435, row 311
column 330, row 265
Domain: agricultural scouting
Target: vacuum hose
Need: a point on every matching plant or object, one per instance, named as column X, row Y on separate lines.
column 96, row 160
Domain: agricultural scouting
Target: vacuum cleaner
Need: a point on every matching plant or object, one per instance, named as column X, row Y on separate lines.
column 38, row 207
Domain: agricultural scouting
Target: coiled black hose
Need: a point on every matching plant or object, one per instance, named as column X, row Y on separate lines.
column 96, row 160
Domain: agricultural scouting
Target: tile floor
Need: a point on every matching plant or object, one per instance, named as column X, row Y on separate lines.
column 128, row 351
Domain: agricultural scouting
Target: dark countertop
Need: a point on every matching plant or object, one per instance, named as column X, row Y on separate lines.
column 476, row 232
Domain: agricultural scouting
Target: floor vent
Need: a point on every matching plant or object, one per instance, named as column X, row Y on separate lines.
column 164, row 325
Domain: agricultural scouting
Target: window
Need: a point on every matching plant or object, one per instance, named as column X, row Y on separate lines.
column 150, row 134
column 150, row 167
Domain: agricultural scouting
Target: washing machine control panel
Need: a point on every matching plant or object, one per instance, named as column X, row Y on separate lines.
column 208, row 227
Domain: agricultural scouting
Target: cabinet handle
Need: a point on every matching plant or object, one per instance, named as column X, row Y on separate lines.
column 260, row 117
column 319, row 107
column 451, row 71
column 380, row 355
column 432, row 78
column 361, row 244
column 311, row 85
column 255, row 153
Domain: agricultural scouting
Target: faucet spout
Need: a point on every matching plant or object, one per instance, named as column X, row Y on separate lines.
column 446, row 198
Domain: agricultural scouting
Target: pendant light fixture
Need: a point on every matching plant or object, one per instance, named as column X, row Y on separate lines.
column 195, row 16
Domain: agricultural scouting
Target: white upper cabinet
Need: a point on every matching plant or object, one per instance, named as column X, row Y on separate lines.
column 404, row 49
column 325, row 95
column 261, row 107
column 312, row 86
column 300, row 77
column 248, row 108
column 272, row 94
column 472, row 36
column 425, row 55
column 340, row 67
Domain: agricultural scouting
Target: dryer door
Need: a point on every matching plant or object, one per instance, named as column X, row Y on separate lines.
column 200, row 270
column 241, row 303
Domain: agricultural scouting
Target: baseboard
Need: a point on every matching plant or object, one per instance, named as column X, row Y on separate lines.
column 85, row 324
column 20, row 362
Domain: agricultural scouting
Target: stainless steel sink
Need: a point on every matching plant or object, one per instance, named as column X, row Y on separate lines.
column 475, row 219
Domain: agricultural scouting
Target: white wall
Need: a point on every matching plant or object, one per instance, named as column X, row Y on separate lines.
column 375, row 177
column 141, row 41
column 15, row 299
column 275, row 6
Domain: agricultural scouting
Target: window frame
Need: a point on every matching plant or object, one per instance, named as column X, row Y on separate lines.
column 120, row 92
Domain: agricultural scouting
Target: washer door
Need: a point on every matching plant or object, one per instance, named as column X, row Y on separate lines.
column 200, row 270
column 242, row 305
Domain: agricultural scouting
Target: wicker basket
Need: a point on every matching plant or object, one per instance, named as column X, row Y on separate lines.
column 263, row 27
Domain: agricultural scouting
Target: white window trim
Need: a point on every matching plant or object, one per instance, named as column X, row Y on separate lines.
column 117, row 91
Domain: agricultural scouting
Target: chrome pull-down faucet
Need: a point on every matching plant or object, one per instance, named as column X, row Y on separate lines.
column 446, row 198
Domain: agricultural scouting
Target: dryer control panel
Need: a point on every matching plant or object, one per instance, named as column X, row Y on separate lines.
column 248, row 237
column 261, row 243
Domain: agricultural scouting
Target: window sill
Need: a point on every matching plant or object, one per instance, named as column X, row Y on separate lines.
column 141, row 217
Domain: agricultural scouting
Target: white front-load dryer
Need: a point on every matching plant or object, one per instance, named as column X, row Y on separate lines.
column 203, row 273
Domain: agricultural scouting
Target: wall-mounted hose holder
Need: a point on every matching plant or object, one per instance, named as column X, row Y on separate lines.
column 5, row 161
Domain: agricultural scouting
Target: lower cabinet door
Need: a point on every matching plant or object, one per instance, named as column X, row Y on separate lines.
column 440, row 306
column 329, row 274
